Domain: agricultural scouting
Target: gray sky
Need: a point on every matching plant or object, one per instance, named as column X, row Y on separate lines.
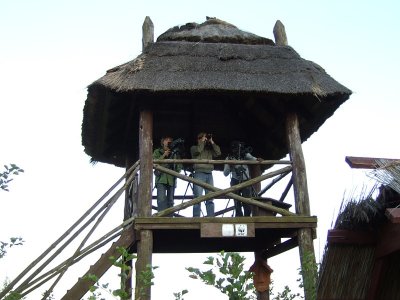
column 51, row 50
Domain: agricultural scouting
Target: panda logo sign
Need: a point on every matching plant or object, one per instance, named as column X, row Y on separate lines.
column 241, row 230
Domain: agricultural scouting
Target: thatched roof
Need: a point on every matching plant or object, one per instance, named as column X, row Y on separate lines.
column 209, row 77
column 362, row 257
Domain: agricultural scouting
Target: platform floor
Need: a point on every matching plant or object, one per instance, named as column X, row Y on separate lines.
column 202, row 235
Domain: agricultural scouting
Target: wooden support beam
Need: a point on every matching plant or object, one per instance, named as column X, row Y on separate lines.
column 286, row 191
column 358, row 162
column 221, row 162
column 341, row 236
column 302, row 202
column 193, row 223
column 145, row 243
column 262, row 294
column 272, row 183
column 101, row 266
column 280, row 248
column 305, row 236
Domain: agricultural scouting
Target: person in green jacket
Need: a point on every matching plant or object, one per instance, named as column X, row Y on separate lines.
column 165, row 183
column 206, row 149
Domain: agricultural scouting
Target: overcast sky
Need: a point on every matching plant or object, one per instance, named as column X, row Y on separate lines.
column 51, row 50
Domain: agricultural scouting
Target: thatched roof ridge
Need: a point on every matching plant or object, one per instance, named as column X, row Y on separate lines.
column 212, row 31
column 186, row 66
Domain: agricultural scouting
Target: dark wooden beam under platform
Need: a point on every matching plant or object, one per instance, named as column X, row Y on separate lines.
column 201, row 235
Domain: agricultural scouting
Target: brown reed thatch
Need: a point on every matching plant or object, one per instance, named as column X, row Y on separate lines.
column 360, row 260
column 208, row 77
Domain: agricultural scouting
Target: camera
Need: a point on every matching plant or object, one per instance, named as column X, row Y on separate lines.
column 176, row 145
column 240, row 149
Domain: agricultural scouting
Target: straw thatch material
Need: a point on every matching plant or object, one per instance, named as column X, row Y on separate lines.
column 388, row 173
column 167, row 66
column 209, row 77
column 347, row 268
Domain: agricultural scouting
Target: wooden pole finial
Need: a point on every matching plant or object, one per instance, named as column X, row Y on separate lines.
column 280, row 34
column 148, row 32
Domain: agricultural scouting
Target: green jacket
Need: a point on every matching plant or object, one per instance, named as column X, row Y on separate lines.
column 162, row 177
column 201, row 152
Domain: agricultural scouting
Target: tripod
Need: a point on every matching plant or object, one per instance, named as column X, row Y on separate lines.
column 239, row 174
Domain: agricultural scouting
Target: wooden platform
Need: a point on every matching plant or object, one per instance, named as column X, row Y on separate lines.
column 199, row 235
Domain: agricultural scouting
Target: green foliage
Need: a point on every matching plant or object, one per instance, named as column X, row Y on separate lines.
column 179, row 295
column 231, row 278
column 11, row 295
column 14, row 241
column 47, row 295
column 125, row 273
column 96, row 289
column 309, row 267
column 286, row 294
column 228, row 276
column 145, row 278
column 5, row 177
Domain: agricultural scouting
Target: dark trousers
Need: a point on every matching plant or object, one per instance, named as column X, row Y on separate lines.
column 242, row 209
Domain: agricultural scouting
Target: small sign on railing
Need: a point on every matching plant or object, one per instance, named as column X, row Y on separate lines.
column 241, row 229
column 227, row 230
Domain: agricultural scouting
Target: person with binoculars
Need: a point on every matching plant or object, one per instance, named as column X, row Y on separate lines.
column 165, row 183
column 205, row 149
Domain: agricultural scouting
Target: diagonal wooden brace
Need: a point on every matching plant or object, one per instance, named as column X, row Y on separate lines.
column 218, row 192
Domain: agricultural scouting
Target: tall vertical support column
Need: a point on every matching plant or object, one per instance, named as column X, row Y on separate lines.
column 259, row 262
column 145, row 243
column 302, row 204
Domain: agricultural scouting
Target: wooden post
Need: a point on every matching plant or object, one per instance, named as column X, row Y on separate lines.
column 255, row 171
column 305, row 239
column 129, row 211
column 280, row 34
column 148, row 32
column 145, row 243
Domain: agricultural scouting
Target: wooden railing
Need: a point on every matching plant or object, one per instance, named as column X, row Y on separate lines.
column 228, row 192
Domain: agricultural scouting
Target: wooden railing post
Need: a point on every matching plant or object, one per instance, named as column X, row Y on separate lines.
column 145, row 243
column 305, row 239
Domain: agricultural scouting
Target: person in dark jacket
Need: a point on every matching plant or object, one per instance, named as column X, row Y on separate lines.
column 240, row 173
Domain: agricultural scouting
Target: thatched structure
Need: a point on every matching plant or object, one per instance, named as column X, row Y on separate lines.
column 215, row 78
column 362, row 257
column 209, row 77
